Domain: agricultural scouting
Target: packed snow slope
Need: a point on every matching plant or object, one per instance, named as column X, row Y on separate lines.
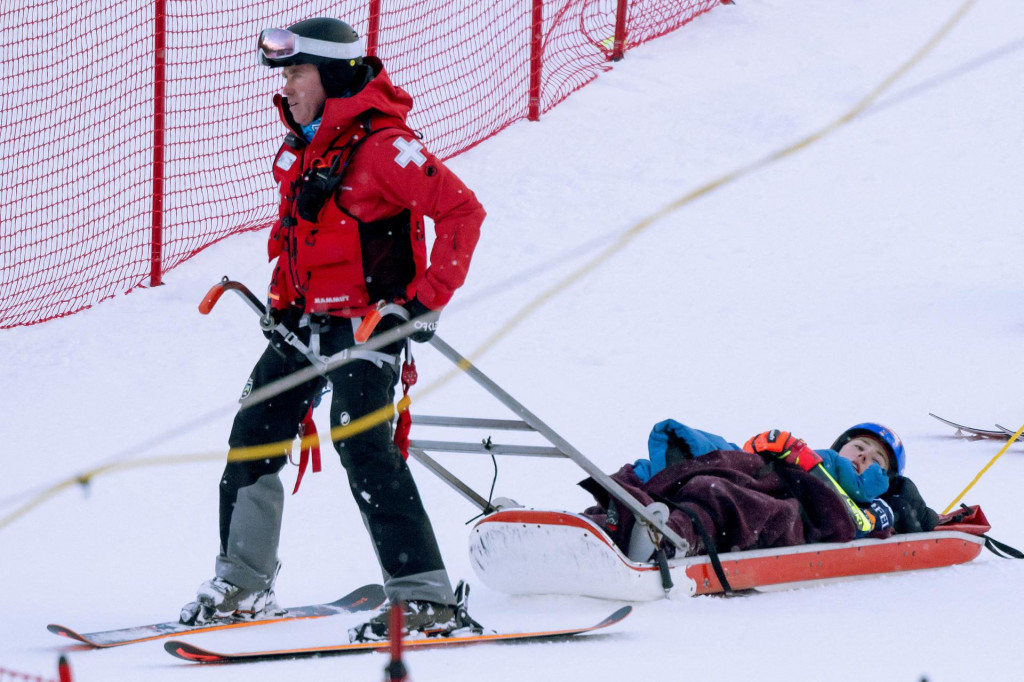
column 873, row 274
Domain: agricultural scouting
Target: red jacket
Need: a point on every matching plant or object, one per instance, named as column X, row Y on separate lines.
column 367, row 242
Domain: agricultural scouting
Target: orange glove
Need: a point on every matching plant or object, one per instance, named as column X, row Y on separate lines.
column 783, row 445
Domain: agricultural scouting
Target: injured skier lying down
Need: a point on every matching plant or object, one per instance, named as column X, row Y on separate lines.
column 775, row 491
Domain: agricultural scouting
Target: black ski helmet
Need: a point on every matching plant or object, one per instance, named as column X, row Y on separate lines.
column 323, row 29
column 340, row 76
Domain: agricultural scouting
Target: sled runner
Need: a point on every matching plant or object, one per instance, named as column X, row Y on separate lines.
column 532, row 551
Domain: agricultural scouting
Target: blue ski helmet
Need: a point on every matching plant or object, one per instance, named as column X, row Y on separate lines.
column 884, row 435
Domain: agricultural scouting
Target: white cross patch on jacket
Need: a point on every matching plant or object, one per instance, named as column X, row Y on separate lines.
column 409, row 150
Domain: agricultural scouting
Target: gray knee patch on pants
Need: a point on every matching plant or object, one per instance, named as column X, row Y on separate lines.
column 250, row 560
column 427, row 586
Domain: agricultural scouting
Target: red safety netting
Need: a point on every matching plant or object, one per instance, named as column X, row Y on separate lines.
column 93, row 205
column 15, row 676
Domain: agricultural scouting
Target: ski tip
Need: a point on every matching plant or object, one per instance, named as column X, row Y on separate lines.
column 971, row 432
column 1007, row 430
column 944, row 421
column 365, row 598
column 67, row 632
column 188, row 652
column 616, row 617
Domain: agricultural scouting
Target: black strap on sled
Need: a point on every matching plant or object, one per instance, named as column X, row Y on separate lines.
column 661, row 559
column 709, row 542
column 1002, row 550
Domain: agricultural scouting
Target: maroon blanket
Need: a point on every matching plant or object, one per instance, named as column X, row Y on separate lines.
column 742, row 501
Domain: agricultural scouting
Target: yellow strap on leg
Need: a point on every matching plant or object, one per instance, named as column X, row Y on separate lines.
column 860, row 519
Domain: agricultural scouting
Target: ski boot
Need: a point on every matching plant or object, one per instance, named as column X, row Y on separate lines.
column 218, row 599
column 422, row 619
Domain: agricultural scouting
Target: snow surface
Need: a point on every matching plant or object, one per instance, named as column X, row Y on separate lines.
column 873, row 275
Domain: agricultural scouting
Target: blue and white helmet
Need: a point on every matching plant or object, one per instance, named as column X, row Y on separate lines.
column 884, row 435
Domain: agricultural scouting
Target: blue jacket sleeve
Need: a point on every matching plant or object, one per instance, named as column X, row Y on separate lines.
column 670, row 432
column 863, row 488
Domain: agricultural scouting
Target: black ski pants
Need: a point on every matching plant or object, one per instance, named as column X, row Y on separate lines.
column 252, row 497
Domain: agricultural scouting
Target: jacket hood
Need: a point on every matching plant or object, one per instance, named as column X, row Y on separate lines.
column 379, row 94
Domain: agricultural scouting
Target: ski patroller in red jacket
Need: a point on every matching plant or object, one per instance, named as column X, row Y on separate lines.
column 367, row 242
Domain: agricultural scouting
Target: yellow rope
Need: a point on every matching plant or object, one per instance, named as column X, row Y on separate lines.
column 234, row 455
column 275, row 449
column 86, row 477
column 732, row 176
column 983, row 470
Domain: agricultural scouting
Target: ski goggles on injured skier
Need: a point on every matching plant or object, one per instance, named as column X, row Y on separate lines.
column 275, row 44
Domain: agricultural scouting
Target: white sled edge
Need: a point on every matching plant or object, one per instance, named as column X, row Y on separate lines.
column 534, row 551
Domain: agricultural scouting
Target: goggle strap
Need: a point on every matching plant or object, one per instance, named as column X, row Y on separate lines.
column 319, row 48
column 325, row 48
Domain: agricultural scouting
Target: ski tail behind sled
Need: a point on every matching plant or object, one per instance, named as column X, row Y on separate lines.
column 973, row 433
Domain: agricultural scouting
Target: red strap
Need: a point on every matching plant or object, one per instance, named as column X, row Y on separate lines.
column 402, row 429
column 970, row 520
column 404, row 424
column 308, row 428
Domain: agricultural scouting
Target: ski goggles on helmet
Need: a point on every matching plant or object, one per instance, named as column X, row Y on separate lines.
column 279, row 44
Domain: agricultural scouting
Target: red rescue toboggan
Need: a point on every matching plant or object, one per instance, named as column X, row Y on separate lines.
column 537, row 551
column 579, row 558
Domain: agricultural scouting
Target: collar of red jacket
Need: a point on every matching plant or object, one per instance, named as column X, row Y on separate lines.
column 379, row 95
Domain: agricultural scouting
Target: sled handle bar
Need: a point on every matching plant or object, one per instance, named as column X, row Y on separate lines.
column 225, row 284
column 603, row 479
column 534, row 422
column 371, row 321
column 267, row 323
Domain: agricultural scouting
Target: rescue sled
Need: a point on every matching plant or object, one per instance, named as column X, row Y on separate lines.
column 534, row 551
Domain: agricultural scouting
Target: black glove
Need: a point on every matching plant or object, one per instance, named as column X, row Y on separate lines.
column 882, row 513
column 424, row 320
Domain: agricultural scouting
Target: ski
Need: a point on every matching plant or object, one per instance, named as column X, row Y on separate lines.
column 970, row 432
column 365, row 598
column 195, row 654
column 1008, row 431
